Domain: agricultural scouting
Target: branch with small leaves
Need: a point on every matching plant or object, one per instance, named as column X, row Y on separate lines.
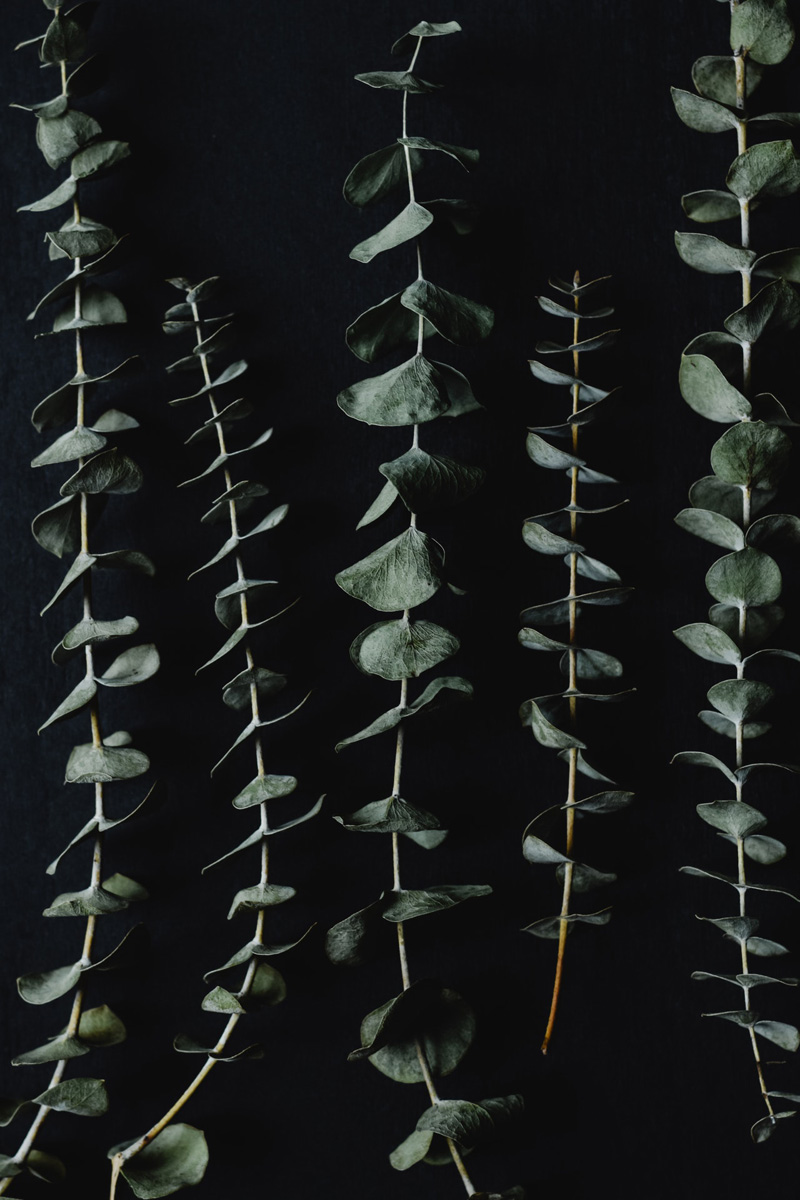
column 719, row 378
column 172, row 1155
column 426, row 1029
column 553, row 719
column 67, row 136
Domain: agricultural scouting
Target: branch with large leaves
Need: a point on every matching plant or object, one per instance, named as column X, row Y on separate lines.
column 67, row 136
column 720, row 376
column 553, row 719
column 425, row 1030
column 172, row 1155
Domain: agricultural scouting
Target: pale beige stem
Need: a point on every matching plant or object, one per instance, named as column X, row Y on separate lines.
column 566, row 892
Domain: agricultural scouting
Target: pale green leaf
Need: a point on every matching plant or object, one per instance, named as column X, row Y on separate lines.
column 751, row 454
column 747, row 577
column 84, row 1097
column 401, row 574
column 762, row 29
column 706, row 390
column 407, row 225
column 707, row 205
column 402, row 649
column 456, row 318
column 767, row 169
column 711, row 527
column 176, row 1158
column 379, row 174
column 709, row 254
column 710, row 643
column 715, row 77
column 414, row 392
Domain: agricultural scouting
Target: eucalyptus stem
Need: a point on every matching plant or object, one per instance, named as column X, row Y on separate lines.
column 558, row 534
column 563, row 928
column 747, row 461
column 395, row 578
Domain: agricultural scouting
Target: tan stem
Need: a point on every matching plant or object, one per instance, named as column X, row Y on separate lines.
column 566, row 890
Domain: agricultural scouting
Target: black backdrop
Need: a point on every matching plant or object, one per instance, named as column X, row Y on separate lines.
column 244, row 120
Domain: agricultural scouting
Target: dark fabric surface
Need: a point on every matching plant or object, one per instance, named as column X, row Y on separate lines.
column 243, row 121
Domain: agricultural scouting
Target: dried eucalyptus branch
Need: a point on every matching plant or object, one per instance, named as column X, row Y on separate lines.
column 556, row 533
column 426, row 1029
column 66, row 135
column 172, row 1155
column 718, row 376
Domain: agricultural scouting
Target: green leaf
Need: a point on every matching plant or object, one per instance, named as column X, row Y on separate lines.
column 100, row 156
column 707, row 205
column 778, row 527
column 58, row 528
column 715, row 77
column 350, row 941
column 467, row 158
column 262, row 895
column 61, row 195
column 711, row 493
column 412, row 1150
column 747, row 577
column 765, row 850
column 459, row 393
column 110, row 472
column 762, row 29
column 384, row 328
column 82, row 694
column 545, row 732
column 781, row 264
column 402, row 649
column 461, row 1120
column 547, row 374
column 43, row 986
column 767, row 169
column 456, row 318
column 712, row 527
column 706, row 390
column 231, row 372
column 550, row 457
column 379, row 174
column 602, row 802
column 699, row 758
column 733, row 817
column 426, row 481
column 710, row 643
column 98, row 307
column 102, row 764
column 709, row 254
column 263, row 788
column 84, row 1097
column 446, row 1031
column 82, row 241
column 461, row 214
column 63, row 1046
column 132, row 666
column 751, row 454
column 65, row 39
column 727, row 728
column 765, row 1127
column 89, row 632
column 776, row 306
column 45, row 1166
column 561, row 310
column 407, row 225
column 238, row 693
column 61, row 137
column 761, row 622
column 592, row 664
column 176, row 1158
column 392, row 815
column 101, row 1027
column 396, row 81
column 540, row 538
column 228, row 602
column 704, row 115
column 409, row 394
column 780, row 1034
column 401, row 574
column 424, row 29
column 531, row 639
column 405, row 905
column 399, row 1018
column 444, row 690
column 78, row 443
column 91, row 902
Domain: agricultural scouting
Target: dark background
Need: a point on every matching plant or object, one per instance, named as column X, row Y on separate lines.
column 244, row 120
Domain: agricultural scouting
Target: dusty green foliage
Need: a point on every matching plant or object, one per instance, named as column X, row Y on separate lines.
column 719, row 375
column 171, row 1155
column 554, row 719
column 96, row 469
column 426, row 1029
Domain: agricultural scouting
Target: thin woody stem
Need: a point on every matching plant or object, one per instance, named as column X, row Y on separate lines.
column 741, row 873
column 400, row 738
column 566, row 892
column 76, row 1011
column 124, row 1156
